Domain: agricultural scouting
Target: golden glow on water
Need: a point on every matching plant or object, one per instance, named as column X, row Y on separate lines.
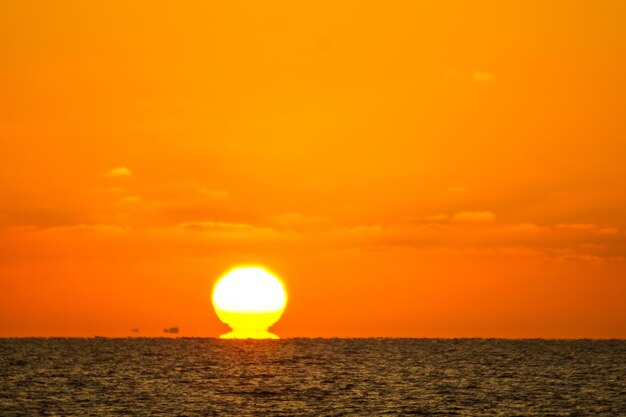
column 249, row 300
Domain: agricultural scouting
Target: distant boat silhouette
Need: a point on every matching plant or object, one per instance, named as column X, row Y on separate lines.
column 173, row 330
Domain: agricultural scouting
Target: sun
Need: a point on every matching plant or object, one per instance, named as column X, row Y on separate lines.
column 249, row 300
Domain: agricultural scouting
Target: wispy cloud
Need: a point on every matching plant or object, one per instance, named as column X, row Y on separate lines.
column 89, row 228
column 297, row 219
column 131, row 199
column 119, row 172
column 482, row 76
column 216, row 194
column 474, row 217
column 203, row 226
column 588, row 227
column 225, row 230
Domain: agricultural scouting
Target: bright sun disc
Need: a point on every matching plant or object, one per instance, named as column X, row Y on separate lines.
column 249, row 300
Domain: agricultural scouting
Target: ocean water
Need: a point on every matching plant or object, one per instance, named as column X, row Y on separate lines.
column 311, row 377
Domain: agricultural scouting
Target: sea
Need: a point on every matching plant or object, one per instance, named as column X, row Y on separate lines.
column 311, row 377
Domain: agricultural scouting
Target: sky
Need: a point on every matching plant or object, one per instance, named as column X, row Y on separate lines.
column 408, row 168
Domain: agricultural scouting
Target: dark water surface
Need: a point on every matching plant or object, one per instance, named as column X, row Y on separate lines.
column 293, row 377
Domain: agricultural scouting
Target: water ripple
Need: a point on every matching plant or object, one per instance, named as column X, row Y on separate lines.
column 317, row 377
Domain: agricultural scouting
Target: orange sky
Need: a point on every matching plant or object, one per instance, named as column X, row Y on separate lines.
column 416, row 168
